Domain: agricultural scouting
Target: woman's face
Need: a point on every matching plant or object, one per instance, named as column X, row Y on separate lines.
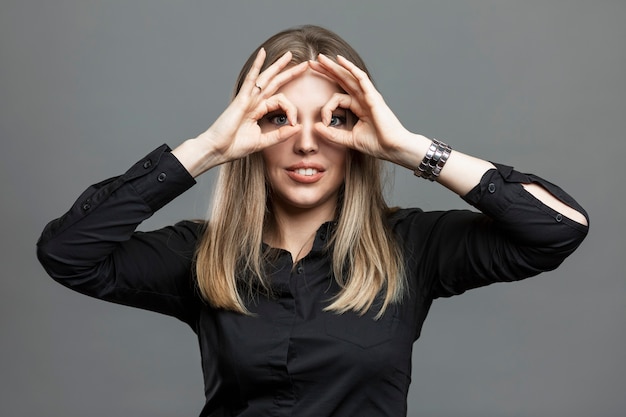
column 307, row 171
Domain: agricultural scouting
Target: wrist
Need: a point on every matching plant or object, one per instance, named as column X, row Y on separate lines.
column 196, row 156
column 436, row 157
column 411, row 150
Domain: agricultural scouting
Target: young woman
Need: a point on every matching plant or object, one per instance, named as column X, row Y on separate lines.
column 305, row 290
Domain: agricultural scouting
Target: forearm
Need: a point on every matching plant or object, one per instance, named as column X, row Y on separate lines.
column 523, row 235
column 463, row 172
column 517, row 237
column 108, row 213
column 95, row 250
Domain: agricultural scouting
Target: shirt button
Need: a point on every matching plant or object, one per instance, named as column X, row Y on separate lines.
column 559, row 217
column 300, row 269
column 86, row 205
column 161, row 177
column 147, row 164
column 491, row 188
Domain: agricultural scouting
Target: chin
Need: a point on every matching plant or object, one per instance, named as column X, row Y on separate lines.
column 308, row 203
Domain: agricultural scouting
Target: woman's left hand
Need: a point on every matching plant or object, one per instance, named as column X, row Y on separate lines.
column 377, row 132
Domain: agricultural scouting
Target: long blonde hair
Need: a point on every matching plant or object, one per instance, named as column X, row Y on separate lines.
column 366, row 259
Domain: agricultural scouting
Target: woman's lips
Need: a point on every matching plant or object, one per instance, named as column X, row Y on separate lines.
column 305, row 174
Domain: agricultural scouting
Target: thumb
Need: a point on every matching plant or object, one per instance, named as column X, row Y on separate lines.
column 338, row 136
column 280, row 135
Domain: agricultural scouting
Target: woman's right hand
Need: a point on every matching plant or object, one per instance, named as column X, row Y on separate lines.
column 236, row 132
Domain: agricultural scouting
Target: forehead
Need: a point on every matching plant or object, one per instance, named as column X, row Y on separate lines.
column 310, row 88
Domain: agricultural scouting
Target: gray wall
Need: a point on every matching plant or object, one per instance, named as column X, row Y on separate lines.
column 89, row 86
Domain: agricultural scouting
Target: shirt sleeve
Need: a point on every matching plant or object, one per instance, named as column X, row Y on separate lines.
column 514, row 237
column 95, row 250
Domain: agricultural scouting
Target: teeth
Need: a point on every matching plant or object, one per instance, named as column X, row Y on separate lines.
column 307, row 172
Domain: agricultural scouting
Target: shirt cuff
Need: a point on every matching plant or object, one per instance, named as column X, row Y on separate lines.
column 159, row 177
column 501, row 188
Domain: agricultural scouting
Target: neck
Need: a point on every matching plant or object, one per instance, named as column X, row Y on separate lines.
column 294, row 230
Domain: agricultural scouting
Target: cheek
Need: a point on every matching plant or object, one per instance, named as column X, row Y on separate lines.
column 339, row 158
column 270, row 156
column 277, row 151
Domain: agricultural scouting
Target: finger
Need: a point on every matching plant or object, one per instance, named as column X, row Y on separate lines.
column 284, row 77
column 276, row 136
column 361, row 76
column 340, row 74
column 319, row 68
column 279, row 102
column 271, row 71
column 357, row 82
column 281, row 134
column 339, row 100
column 254, row 71
column 337, row 136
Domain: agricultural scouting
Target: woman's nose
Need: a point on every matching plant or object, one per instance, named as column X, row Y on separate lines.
column 306, row 141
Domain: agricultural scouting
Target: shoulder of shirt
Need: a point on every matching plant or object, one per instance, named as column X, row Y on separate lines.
column 196, row 227
column 398, row 214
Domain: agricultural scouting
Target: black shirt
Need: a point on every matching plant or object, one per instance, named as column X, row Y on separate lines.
column 291, row 357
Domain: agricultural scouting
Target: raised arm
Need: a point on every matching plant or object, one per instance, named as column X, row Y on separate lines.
column 94, row 248
column 527, row 225
column 378, row 132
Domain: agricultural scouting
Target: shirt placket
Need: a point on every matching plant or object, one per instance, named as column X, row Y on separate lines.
column 284, row 398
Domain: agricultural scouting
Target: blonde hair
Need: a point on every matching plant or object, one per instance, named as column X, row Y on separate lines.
column 366, row 259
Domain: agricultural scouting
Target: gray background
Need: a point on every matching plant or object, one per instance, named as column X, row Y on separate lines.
column 89, row 86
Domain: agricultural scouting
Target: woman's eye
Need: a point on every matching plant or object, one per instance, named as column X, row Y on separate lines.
column 337, row 121
column 278, row 119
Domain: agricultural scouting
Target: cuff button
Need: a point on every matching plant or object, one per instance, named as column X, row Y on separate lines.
column 162, row 176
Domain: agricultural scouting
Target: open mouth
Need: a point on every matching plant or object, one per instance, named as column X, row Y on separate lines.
column 305, row 174
column 306, row 171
